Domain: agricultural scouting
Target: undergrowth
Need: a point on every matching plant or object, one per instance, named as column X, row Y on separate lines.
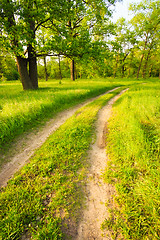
column 48, row 190
column 133, row 146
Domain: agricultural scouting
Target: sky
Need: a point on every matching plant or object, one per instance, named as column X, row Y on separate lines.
column 121, row 9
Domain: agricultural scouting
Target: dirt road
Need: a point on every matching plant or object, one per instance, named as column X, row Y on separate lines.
column 98, row 193
column 23, row 148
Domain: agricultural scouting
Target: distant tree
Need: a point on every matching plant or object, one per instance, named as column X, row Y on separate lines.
column 122, row 47
column 72, row 33
column 146, row 23
column 8, row 66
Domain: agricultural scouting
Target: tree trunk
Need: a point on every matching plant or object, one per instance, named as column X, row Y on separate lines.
column 29, row 80
column 72, row 70
column 140, row 64
column 45, row 63
column 45, row 68
column 145, row 67
column 32, row 58
column 33, row 72
column 75, row 72
column 150, row 71
column 115, row 71
column 123, row 64
column 59, row 65
column 146, row 62
column 23, row 72
column 123, row 70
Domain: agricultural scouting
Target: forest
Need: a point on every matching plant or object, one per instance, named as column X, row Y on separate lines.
column 77, row 39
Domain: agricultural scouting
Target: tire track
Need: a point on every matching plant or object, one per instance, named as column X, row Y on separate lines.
column 97, row 192
column 23, row 149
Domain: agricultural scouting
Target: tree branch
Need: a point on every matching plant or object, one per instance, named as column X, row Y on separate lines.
column 39, row 24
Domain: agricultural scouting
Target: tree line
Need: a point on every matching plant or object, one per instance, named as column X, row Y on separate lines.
column 78, row 38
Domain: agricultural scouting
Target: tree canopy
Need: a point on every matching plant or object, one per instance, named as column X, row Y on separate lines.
column 69, row 24
column 82, row 32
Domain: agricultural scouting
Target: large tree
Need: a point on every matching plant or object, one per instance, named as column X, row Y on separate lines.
column 19, row 22
column 71, row 22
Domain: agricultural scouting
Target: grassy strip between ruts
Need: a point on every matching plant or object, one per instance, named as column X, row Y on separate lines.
column 47, row 190
column 134, row 149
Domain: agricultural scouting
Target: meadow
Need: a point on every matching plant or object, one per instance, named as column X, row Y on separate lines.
column 24, row 110
column 133, row 145
column 45, row 196
column 48, row 191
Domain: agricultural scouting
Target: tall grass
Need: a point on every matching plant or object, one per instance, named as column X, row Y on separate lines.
column 47, row 192
column 134, row 167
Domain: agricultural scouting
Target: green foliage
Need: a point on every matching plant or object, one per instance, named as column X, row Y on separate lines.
column 73, row 34
column 8, row 68
column 69, row 23
column 81, row 31
column 146, row 24
column 53, row 68
column 48, row 190
column 134, row 150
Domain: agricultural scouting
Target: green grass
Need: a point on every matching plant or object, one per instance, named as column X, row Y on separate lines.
column 134, row 167
column 23, row 110
column 48, row 190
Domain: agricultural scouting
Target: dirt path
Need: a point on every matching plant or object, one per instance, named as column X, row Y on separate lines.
column 97, row 192
column 25, row 146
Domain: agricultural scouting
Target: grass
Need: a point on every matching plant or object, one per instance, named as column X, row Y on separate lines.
column 134, row 151
column 47, row 193
column 23, row 110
